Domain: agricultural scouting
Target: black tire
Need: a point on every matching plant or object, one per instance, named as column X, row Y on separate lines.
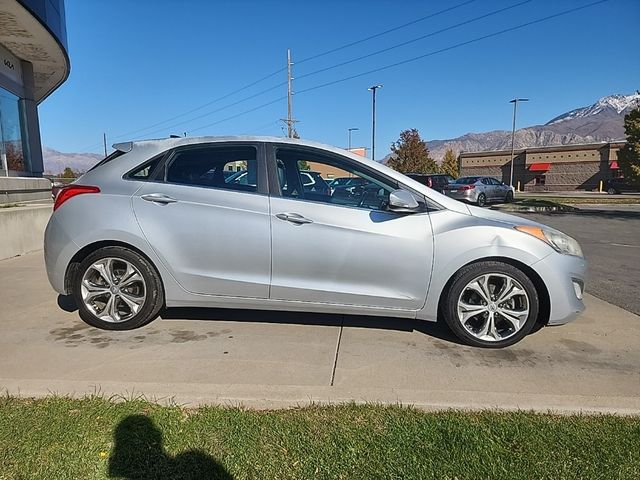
column 611, row 191
column 482, row 200
column 508, row 197
column 153, row 296
column 462, row 278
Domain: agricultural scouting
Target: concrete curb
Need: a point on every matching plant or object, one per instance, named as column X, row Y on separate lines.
column 291, row 396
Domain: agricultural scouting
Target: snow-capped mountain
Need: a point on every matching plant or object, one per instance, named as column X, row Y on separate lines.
column 602, row 121
column 611, row 105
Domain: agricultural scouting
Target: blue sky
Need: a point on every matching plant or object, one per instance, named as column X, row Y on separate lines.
column 135, row 64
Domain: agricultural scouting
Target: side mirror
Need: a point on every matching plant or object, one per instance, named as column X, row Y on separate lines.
column 403, row 202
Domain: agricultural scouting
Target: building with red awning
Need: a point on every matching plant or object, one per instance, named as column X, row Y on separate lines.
column 555, row 168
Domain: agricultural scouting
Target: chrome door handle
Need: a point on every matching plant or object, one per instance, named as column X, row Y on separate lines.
column 158, row 198
column 293, row 218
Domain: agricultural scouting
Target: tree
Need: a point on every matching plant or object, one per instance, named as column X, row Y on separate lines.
column 304, row 165
column 68, row 173
column 449, row 164
column 411, row 155
column 629, row 155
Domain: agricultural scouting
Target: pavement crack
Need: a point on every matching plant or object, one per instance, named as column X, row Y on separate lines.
column 335, row 357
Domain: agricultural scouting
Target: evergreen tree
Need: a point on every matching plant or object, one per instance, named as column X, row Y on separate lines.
column 629, row 155
column 68, row 173
column 411, row 155
column 449, row 164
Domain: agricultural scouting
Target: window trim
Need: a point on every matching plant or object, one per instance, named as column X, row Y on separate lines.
column 274, row 182
column 160, row 175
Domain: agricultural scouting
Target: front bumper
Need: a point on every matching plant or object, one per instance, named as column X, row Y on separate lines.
column 564, row 276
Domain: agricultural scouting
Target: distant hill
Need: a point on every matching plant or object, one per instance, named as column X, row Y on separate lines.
column 55, row 162
column 602, row 121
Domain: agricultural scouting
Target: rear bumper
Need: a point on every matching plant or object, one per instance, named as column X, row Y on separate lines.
column 464, row 195
column 59, row 249
column 564, row 276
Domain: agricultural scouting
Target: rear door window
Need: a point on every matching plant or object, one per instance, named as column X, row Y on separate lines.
column 226, row 167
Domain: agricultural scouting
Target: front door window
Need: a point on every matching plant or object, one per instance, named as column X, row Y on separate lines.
column 326, row 179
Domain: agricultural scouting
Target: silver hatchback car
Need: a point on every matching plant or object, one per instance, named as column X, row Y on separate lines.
column 479, row 190
column 165, row 223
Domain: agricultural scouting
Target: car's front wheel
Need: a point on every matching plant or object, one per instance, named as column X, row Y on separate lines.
column 508, row 197
column 491, row 304
column 611, row 191
column 117, row 289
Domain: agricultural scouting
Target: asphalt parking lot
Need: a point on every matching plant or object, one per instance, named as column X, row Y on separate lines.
column 610, row 238
column 275, row 359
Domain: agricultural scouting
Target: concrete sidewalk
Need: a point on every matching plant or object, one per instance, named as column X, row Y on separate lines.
column 275, row 359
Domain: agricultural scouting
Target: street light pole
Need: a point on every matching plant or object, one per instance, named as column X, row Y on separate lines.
column 373, row 120
column 513, row 133
column 351, row 130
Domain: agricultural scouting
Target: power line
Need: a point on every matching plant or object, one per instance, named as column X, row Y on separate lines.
column 408, row 42
column 204, row 105
column 457, row 45
column 393, row 65
column 239, row 114
column 262, row 92
column 322, row 54
column 371, row 37
column 413, row 59
column 290, row 122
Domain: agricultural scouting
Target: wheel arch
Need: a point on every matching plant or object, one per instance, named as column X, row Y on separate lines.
column 543, row 294
column 87, row 250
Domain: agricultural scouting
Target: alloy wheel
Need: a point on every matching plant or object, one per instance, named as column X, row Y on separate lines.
column 493, row 307
column 113, row 289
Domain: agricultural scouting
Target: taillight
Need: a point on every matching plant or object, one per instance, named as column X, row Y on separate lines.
column 467, row 187
column 71, row 191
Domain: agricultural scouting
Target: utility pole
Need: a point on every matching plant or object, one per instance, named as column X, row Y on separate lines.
column 291, row 131
column 513, row 133
column 373, row 120
column 351, row 130
column 104, row 142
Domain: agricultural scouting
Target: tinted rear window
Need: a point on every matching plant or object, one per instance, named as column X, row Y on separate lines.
column 107, row 159
column 466, row 180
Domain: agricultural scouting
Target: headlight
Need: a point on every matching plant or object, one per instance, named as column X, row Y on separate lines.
column 559, row 241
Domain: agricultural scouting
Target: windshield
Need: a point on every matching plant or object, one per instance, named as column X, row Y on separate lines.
column 467, row 180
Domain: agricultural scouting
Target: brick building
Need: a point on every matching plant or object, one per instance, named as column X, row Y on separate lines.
column 556, row 168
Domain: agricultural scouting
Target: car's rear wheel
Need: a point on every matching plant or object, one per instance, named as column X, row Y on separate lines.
column 482, row 200
column 117, row 289
column 491, row 304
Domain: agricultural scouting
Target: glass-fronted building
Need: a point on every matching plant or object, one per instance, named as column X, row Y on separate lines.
column 33, row 63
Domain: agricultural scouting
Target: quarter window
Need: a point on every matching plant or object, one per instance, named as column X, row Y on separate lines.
column 144, row 171
column 307, row 176
column 233, row 168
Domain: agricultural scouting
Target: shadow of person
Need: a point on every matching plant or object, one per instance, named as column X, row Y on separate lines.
column 138, row 454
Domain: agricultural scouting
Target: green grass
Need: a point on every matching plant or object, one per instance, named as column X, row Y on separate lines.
column 59, row 438
column 10, row 205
